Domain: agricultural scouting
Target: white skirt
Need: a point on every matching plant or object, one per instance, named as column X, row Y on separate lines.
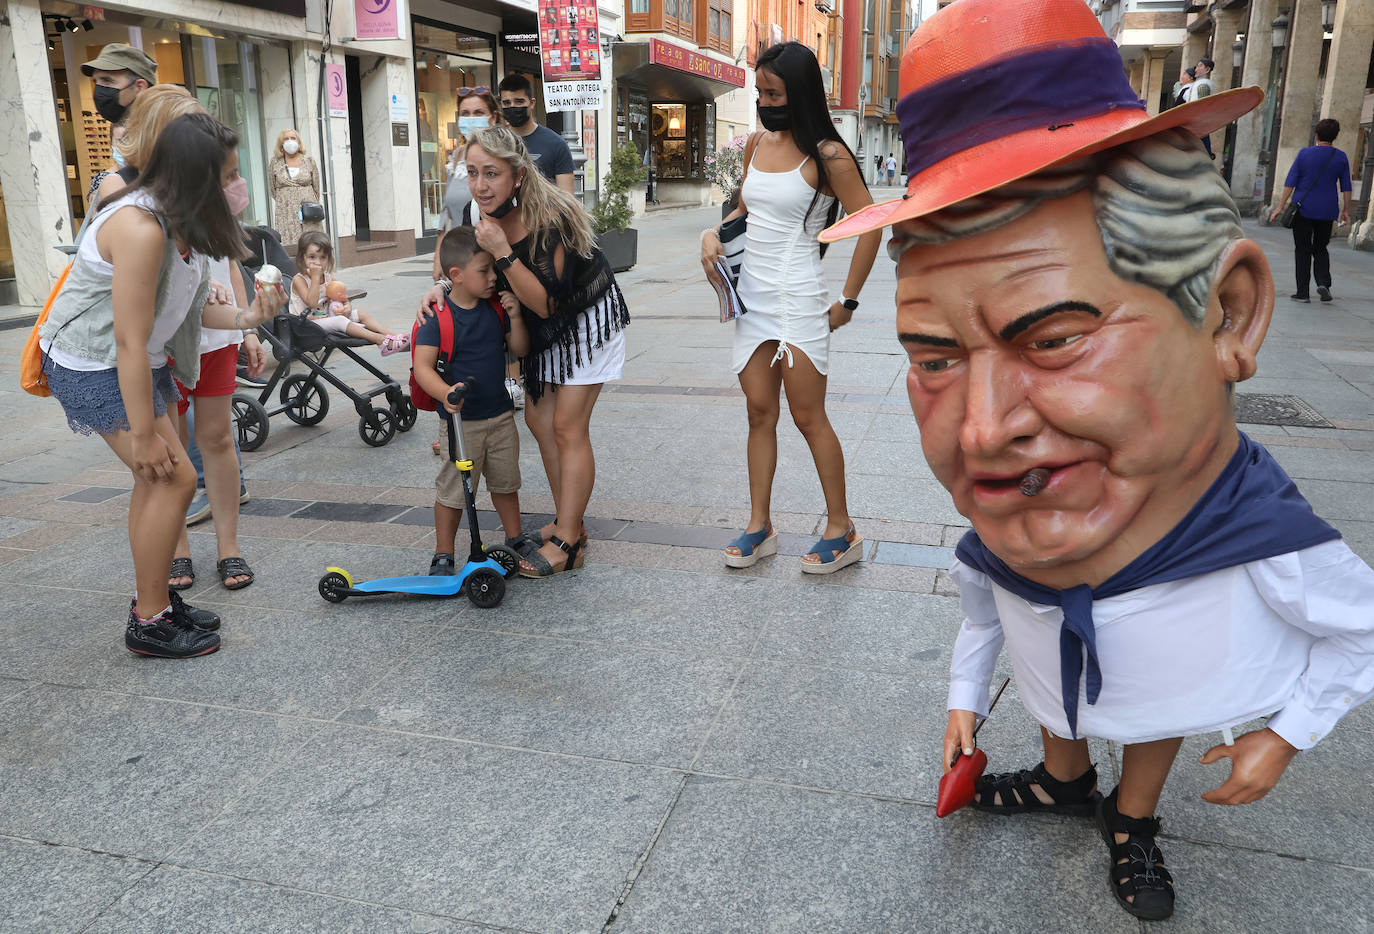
column 605, row 364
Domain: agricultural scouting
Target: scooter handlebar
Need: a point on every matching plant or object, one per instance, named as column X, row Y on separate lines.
column 462, row 388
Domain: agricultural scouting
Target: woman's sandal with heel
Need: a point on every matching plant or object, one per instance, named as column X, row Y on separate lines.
column 1137, row 876
column 539, row 566
column 834, row 553
column 1012, row 793
column 752, row 546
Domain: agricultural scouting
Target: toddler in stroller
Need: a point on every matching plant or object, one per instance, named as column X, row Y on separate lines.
column 311, row 296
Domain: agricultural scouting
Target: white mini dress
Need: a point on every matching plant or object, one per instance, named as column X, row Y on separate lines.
column 780, row 283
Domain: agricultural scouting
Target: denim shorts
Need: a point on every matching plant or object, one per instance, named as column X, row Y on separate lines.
column 93, row 402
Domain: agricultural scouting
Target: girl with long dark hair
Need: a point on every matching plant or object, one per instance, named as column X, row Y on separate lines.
column 124, row 321
column 798, row 173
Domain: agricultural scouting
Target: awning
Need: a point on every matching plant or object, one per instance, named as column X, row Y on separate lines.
column 673, row 72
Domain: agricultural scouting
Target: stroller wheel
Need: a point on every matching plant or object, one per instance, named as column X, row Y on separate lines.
column 306, row 403
column 485, row 588
column 250, row 421
column 405, row 414
column 377, row 427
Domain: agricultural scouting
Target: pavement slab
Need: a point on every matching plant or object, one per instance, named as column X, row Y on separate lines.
column 48, row 889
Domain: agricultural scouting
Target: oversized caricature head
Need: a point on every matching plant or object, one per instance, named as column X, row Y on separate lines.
column 1090, row 320
column 1074, row 290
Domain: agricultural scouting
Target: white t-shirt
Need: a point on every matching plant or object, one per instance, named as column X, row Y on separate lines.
column 184, row 280
column 211, row 339
column 293, row 170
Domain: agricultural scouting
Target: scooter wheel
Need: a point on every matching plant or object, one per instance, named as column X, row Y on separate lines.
column 334, row 587
column 509, row 560
column 485, row 588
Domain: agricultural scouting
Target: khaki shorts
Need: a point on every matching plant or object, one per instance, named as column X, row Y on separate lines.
column 493, row 445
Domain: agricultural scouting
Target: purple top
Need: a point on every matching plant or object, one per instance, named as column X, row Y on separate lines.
column 1315, row 174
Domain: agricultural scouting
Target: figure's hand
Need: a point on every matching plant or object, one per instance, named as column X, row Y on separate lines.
column 839, row 316
column 1258, row 760
column 257, row 356
column 492, row 238
column 711, row 250
column 153, row 458
column 431, row 303
column 454, row 409
column 219, row 295
column 959, row 736
column 510, row 303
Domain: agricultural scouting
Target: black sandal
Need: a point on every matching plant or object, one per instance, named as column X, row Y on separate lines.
column 1077, row 798
column 182, row 567
column 441, row 565
column 234, row 567
column 541, row 565
column 1137, row 866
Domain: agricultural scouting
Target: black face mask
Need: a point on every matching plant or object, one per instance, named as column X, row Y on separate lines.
column 505, row 207
column 516, row 116
column 775, row 118
column 107, row 102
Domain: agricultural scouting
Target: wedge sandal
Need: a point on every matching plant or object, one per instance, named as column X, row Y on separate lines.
column 752, row 546
column 536, row 565
column 1011, row 793
column 1137, row 876
column 834, row 553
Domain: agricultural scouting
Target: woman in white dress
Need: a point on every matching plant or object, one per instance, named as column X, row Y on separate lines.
column 798, row 172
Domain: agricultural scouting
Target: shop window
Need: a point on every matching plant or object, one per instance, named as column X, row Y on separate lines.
column 680, row 136
column 445, row 60
column 226, row 84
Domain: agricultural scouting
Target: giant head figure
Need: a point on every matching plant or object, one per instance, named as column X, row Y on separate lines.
column 1074, row 290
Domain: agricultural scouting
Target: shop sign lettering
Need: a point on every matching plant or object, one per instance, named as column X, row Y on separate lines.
column 675, row 56
column 376, row 19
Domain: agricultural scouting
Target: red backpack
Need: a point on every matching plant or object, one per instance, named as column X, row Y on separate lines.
column 422, row 399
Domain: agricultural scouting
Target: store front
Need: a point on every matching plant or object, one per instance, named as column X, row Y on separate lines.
column 446, row 59
column 665, row 107
column 221, row 70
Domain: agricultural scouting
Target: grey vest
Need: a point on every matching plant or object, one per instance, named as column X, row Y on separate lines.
column 81, row 321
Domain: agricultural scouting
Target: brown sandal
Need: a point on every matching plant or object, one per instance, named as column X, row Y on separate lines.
column 539, row 566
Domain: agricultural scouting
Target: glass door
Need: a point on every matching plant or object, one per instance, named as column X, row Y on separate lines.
column 226, row 84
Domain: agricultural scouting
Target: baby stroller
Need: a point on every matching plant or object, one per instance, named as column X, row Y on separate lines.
column 302, row 396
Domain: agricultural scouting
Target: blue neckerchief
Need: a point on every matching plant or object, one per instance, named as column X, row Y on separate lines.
column 1252, row 511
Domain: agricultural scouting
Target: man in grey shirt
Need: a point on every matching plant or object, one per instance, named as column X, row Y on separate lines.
column 548, row 150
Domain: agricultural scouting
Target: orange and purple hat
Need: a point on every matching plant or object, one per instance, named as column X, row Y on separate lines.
column 996, row 90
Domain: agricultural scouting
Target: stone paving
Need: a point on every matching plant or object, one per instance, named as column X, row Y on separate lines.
column 652, row 744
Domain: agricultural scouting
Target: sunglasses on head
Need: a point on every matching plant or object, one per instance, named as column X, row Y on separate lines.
column 468, row 92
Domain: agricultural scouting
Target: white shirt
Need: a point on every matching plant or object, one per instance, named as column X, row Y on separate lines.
column 212, row 339
column 184, row 280
column 1292, row 634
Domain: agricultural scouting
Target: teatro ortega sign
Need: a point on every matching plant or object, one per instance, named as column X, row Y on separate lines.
column 675, row 56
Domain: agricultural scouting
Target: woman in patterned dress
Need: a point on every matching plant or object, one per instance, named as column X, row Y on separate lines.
column 292, row 178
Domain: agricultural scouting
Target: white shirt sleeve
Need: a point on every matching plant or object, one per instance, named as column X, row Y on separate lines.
column 978, row 644
column 1328, row 592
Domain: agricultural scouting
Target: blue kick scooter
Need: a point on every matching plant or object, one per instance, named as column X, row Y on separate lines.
column 482, row 578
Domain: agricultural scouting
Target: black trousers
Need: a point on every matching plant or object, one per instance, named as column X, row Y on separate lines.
column 1310, row 238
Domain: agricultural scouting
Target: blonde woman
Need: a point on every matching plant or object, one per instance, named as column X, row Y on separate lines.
column 546, row 256
column 292, row 179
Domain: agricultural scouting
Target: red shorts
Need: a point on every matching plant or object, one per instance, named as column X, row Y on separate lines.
column 218, row 374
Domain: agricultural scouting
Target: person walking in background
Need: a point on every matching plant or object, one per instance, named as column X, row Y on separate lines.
column 1183, row 87
column 1200, row 88
column 549, row 151
column 891, row 169
column 292, row 180
column 477, row 110
column 1315, row 175
column 797, row 175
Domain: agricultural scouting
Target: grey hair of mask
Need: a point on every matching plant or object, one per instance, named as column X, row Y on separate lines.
column 1164, row 212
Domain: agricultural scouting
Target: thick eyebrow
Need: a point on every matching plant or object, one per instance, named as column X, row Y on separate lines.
column 1040, row 314
column 928, row 340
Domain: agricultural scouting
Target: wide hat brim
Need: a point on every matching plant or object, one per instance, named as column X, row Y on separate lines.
column 990, row 165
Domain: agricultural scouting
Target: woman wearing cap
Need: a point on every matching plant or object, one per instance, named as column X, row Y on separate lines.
column 292, row 180
column 477, row 110
column 798, row 173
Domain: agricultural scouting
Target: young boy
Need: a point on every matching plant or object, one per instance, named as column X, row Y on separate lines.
column 481, row 336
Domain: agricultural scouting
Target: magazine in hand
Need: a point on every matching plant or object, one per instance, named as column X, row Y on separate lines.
column 730, row 305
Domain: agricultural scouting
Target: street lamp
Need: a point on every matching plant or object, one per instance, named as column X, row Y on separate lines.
column 1237, row 54
column 1328, row 15
column 1279, row 28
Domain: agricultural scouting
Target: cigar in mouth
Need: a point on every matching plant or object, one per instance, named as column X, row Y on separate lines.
column 1033, row 482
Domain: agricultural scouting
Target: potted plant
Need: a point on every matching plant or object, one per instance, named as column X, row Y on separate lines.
column 725, row 169
column 612, row 215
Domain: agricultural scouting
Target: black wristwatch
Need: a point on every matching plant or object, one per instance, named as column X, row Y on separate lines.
column 849, row 303
column 504, row 262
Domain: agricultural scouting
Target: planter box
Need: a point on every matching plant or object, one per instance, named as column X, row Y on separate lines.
column 621, row 248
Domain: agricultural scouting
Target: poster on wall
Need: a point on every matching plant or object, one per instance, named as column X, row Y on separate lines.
column 377, row 19
column 338, row 90
column 569, row 40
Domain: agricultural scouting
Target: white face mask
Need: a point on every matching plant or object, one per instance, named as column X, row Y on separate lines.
column 291, row 147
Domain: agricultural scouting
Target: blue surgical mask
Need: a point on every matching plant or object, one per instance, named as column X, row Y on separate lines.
column 119, row 158
column 470, row 125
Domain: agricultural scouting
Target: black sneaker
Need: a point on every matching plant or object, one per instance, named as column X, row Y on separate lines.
column 204, row 620
column 1324, row 292
column 1299, row 298
column 170, row 635
column 441, row 565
